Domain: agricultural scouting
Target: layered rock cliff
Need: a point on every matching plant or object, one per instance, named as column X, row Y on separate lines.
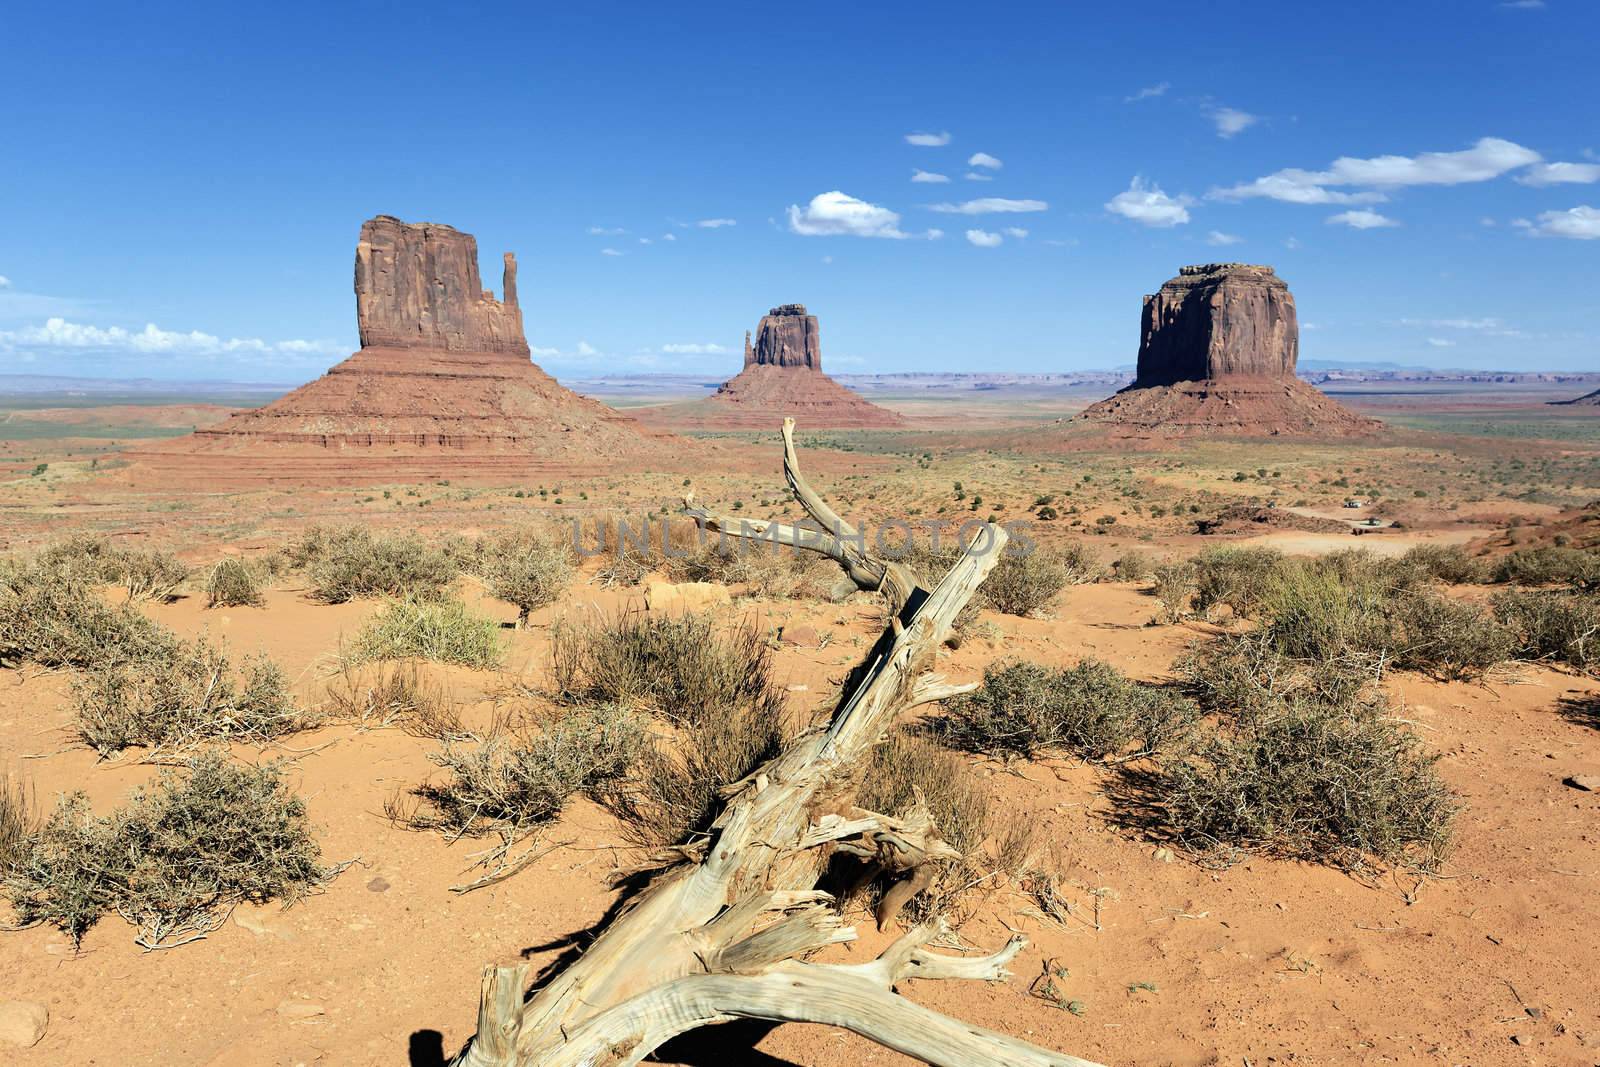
column 785, row 337
column 1218, row 320
column 417, row 286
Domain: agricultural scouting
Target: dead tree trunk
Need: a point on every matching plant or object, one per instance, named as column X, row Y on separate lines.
column 727, row 936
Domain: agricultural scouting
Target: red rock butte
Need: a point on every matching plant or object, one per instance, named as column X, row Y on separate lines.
column 782, row 376
column 444, row 385
column 1217, row 354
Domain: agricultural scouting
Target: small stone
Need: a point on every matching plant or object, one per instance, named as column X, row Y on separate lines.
column 1534, row 1013
column 1521, row 1039
column 380, row 884
column 300, row 1009
column 805, row 636
column 23, row 1022
column 685, row 597
column 1589, row 783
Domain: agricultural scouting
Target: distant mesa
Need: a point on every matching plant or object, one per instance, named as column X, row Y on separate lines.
column 443, row 383
column 1587, row 400
column 1217, row 353
column 782, row 376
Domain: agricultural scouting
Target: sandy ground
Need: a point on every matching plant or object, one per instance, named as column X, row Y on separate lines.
column 1267, row 961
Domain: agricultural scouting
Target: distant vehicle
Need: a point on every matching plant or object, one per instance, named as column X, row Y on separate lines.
column 1354, row 503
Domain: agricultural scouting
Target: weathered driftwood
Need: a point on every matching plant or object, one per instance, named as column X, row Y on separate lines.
column 726, row 934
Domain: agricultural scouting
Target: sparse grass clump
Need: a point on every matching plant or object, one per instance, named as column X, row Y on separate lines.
column 525, row 569
column 351, row 563
column 771, row 572
column 1236, row 577
column 1552, row 625
column 682, row 668
column 189, row 695
column 17, row 825
column 1175, row 589
column 440, row 630
column 1132, row 566
column 148, row 575
column 233, row 583
column 395, row 694
column 1090, row 710
column 1025, row 583
column 175, row 860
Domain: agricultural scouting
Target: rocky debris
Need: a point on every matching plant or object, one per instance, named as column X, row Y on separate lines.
column 1218, row 347
column 300, row 1009
column 1589, row 783
column 417, row 286
column 443, row 386
column 23, row 1022
column 782, row 377
column 785, row 337
column 801, row 636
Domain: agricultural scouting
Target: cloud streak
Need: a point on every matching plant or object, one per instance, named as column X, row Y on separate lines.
column 1581, row 223
column 1231, row 122
column 1362, row 219
column 837, row 214
column 1148, row 92
column 929, row 140
column 928, row 177
column 1487, row 159
column 58, row 333
column 990, row 205
column 984, row 239
column 1144, row 202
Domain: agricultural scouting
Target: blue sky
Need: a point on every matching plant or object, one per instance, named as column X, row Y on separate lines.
column 183, row 184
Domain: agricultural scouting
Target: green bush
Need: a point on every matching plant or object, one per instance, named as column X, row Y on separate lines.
column 768, row 571
column 175, row 860
column 1237, row 577
column 526, row 569
column 351, row 563
column 440, row 630
column 1090, row 710
column 1175, row 589
column 1025, row 583
column 146, row 575
column 1132, row 566
column 186, row 695
column 233, row 583
column 1449, row 638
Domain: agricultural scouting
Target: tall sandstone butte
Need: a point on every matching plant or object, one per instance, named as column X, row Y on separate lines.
column 782, row 376
column 1218, row 347
column 444, row 384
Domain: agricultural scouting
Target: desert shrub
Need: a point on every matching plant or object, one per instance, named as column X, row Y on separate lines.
column 175, row 860
column 1314, row 783
column 82, row 554
column 233, row 583
column 683, row 667
column 440, row 630
column 1547, row 565
column 956, row 799
column 509, row 784
column 351, row 562
column 1552, row 625
column 395, row 694
column 52, row 613
column 676, row 791
column 525, row 569
column 1090, row 710
column 148, row 575
column 1447, row 637
column 1245, row 678
column 1236, row 577
column 1024, row 583
column 1132, row 566
column 1175, row 588
column 187, row 695
column 1447, row 563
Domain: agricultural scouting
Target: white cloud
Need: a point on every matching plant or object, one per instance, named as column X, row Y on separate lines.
column 586, row 349
column 984, row 159
column 152, row 340
column 610, row 252
column 669, row 237
column 1487, row 221
column 1159, row 89
column 646, row 241
column 5, row 283
column 1580, row 223
column 1523, row 5
column 716, row 224
column 1489, row 158
column 1440, row 342
column 1016, row 231
column 974, row 176
column 1230, row 121
column 934, row 235
column 984, row 239
column 1362, row 219
column 1144, row 202
column 990, row 205
column 696, row 349
column 607, row 231
column 1291, row 242
column 544, row 353
column 928, row 177
column 1455, row 324
column 1217, row 237
column 1560, row 174
column 929, row 140
column 838, row 214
